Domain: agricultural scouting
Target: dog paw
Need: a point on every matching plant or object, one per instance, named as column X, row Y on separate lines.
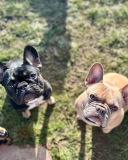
column 26, row 114
column 9, row 141
column 51, row 100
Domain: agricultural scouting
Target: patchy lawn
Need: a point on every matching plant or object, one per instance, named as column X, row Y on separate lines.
column 70, row 36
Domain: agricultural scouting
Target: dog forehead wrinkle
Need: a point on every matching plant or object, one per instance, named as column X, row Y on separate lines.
column 113, row 95
column 23, row 71
column 26, row 68
column 105, row 93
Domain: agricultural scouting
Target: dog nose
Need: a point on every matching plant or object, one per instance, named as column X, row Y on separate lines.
column 100, row 110
column 22, row 85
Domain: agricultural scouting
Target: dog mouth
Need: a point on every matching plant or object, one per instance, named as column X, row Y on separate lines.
column 90, row 120
column 95, row 120
column 29, row 97
column 96, row 114
column 31, row 92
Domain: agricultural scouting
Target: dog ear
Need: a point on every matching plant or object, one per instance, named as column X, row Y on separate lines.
column 31, row 56
column 95, row 74
column 2, row 70
column 124, row 91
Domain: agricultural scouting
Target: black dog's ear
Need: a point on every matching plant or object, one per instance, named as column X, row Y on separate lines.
column 2, row 70
column 31, row 56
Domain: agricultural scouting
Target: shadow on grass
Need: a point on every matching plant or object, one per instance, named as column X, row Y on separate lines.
column 19, row 128
column 113, row 145
column 43, row 136
column 82, row 128
column 55, row 54
column 55, row 46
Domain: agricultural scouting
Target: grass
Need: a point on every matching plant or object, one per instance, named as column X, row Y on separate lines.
column 70, row 36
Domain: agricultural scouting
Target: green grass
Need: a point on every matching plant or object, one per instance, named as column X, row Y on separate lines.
column 70, row 36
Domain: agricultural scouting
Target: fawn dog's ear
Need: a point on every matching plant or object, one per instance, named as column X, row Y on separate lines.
column 95, row 74
column 124, row 92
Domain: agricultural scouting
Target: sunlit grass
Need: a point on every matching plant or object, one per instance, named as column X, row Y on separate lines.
column 69, row 36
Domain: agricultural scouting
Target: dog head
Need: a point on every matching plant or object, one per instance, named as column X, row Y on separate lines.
column 100, row 102
column 22, row 79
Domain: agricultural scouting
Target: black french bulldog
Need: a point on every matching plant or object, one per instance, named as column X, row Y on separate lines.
column 24, row 84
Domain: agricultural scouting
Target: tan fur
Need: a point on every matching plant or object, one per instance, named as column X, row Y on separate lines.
column 51, row 100
column 26, row 114
column 7, row 139
column 109, row 91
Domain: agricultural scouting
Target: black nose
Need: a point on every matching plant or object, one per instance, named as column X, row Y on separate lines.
column 22, row 85
column 100, row 110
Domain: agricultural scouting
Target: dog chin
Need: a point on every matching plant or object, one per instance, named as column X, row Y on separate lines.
column 29, row 97
column 23, row 99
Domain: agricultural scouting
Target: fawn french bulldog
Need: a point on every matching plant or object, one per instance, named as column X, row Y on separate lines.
column 24, row 84
column 105, row 100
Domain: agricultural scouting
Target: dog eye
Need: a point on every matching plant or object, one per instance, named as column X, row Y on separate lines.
column 33, row 76
column 92, row 97
column 10, row 84
column 114, row 108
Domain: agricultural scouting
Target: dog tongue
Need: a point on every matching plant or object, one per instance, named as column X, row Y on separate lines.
column 29, row 97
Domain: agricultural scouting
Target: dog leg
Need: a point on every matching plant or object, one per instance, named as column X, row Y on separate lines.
column 26, row 114
column 51, row 100
column 8, row 141
column 5, row 142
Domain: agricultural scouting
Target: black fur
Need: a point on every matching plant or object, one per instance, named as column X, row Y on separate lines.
column 23, row 81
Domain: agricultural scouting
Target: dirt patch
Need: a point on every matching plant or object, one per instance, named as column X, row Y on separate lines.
column 28, row 153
